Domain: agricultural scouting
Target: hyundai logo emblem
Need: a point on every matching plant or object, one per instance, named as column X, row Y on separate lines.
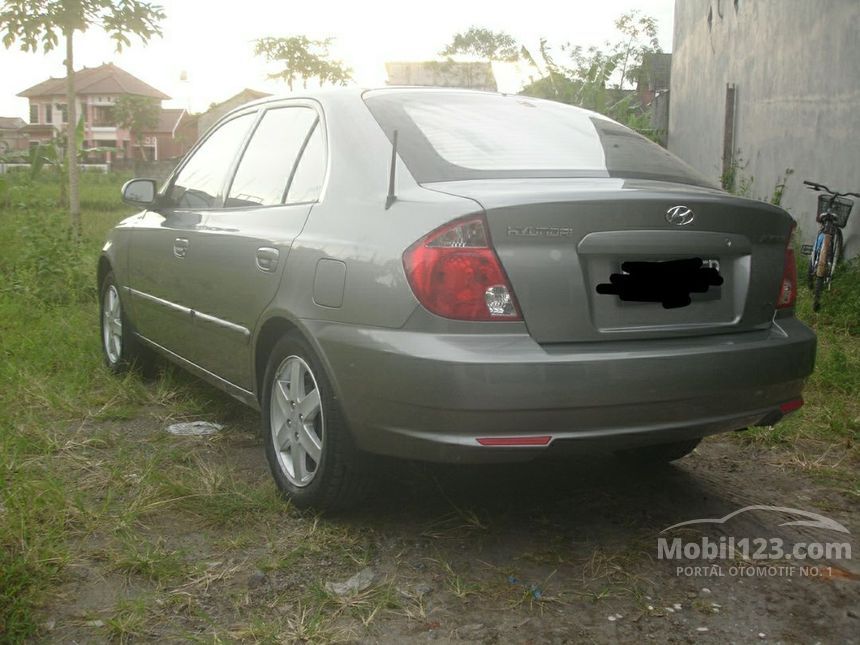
column 679, row 215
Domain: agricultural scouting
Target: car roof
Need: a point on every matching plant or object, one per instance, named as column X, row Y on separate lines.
column 323, row 93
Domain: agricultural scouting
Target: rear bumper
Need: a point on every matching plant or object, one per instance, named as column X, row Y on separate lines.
column 432, row 396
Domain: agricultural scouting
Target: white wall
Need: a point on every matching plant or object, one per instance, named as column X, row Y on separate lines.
column 796, row 65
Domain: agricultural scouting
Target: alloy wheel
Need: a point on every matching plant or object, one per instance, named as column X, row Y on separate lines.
column 297, row 424
column 112, row 325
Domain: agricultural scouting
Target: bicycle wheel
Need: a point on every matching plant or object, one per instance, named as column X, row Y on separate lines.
column 813, row 261
column 837, row 251
column 816, row 293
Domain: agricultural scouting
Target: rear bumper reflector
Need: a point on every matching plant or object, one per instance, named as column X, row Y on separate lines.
column 514, row 441
column 791, row 406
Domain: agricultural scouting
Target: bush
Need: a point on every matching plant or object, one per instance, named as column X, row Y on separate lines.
column 46, row 266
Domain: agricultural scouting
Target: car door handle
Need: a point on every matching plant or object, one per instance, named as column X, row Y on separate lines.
column 180, row 247
column 267, row 259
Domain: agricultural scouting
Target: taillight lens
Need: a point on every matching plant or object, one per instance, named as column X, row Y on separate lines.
column 454, row 272
column 788, row 284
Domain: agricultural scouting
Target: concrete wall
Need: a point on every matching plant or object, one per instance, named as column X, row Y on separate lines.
column 796, row 65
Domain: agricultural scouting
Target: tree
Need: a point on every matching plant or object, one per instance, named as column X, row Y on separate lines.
column 38, row 24
column 303, row 59
column 641, row 34
column 485, row 44
column 599, row 78
column 137, row 114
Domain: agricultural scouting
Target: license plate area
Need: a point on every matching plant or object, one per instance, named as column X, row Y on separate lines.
column 673, row 284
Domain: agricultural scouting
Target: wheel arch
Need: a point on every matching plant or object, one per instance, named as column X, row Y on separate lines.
column 104, row 267
column 273, row 328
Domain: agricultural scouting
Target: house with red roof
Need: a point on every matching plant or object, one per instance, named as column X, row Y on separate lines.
column 97, row 89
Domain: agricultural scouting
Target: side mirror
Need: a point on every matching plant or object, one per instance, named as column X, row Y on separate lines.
column 139, row 192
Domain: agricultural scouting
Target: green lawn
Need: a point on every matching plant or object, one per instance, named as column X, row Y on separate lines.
column 58, row 485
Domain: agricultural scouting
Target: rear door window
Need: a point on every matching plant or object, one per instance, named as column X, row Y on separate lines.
column 267, row 164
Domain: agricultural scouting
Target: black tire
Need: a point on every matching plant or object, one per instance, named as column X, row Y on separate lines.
column 660, row 454
column 128, row 353
column 817, row 290
column 341, row 477
column 837, row 250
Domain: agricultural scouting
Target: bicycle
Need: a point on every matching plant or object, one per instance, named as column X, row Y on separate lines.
column 832, row 216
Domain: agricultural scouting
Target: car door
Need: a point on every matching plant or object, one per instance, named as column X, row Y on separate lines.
column 160, row 244
column 237, row 255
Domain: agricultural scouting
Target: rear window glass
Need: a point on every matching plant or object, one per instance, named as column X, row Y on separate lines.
column 445, row 136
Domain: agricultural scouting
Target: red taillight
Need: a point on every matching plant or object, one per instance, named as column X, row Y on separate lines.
column 454, row 272
column 788, row 285
column 791, row 406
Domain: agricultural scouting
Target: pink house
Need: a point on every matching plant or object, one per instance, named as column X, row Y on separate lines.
column 97, row 89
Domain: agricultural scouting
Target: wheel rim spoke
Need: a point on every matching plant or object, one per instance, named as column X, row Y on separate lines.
column 297, row 389
column 283, row 435
column 282, row 400
column 300, row 470
column 310, row 442
column 309, row 406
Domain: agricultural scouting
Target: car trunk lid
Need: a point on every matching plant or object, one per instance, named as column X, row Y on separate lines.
column 559, row 239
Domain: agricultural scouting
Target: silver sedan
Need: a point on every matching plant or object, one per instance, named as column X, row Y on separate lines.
column 455, row 276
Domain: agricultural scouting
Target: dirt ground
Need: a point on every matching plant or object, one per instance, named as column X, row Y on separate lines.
column 542, row 552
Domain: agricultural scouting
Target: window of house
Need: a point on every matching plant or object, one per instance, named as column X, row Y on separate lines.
column 64, row 112
column 307, row 182
column 103, row 115
column 49, row 114
column 34, row 113
column 263, row 174
column 200, row 182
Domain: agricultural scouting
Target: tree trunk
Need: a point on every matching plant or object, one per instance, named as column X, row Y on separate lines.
column 141, row 148
column 71, row 138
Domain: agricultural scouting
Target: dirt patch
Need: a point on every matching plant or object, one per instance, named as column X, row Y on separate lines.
column 541, row 552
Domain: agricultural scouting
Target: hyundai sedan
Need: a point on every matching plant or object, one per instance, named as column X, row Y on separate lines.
column 455, row 276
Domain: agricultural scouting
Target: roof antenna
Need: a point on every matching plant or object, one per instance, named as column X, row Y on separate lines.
column 391, row 196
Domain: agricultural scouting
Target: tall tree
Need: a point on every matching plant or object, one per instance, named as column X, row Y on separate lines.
column 485, row 44
column 137, row 114
column 639, row 34
column 599, row 78
column 39, row 24
column 303, row 59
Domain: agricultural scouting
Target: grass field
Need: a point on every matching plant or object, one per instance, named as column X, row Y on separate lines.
column 60, row 487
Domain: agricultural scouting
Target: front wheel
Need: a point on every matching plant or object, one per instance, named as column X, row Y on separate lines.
column 120, row 348
column 307, row 444
column 837, row 251
column 817, row 290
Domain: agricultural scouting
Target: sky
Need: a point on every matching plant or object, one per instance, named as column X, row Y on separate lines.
column 212, row 42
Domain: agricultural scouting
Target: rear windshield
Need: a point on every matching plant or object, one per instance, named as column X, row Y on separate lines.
column 449, row 136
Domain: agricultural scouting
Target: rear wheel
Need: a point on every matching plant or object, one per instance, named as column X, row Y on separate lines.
column 817, row 290
column 309, row 450
column 659, row 454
